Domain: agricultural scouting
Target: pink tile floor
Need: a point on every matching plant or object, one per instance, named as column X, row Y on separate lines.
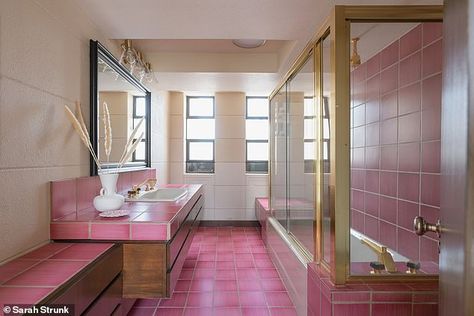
column 227, row 272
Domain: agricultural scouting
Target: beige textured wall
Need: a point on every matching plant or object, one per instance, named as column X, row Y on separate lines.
column 230, row 192
column 44, row 64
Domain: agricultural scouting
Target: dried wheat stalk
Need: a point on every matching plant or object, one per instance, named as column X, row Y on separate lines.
column 107, row 131
column 129, row 153
column 82, row 132
column 130, row 139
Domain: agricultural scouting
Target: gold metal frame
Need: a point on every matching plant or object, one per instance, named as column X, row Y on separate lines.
column 337, row 26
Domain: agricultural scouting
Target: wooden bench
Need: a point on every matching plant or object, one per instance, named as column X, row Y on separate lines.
column 87, row 275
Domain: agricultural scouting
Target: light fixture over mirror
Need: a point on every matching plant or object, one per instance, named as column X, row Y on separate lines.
column 248, row 43
column 134, row 60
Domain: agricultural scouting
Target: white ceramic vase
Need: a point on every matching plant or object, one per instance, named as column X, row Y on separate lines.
column 108, row 200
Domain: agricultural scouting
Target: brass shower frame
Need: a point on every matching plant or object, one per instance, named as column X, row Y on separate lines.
column 337, row 28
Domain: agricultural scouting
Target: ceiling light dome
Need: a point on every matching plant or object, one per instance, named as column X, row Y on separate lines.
column 248, row 43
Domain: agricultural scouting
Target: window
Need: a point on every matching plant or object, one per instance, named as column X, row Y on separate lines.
column 200, row 134
column 256, row 130
column 139, row 111
column 309, row 135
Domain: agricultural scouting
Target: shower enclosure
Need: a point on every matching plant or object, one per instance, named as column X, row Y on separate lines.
column 354, row 149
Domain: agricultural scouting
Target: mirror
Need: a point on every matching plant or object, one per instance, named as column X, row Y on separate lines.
column 128, row 101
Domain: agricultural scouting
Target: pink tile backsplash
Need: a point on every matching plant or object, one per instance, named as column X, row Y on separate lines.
column 63, row 198
column 400, row 179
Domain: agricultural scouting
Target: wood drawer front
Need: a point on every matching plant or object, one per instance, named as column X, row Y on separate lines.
column 91, row 282
column 177, row 242
column 144, row 270
column 173, row 274
column 108, row 301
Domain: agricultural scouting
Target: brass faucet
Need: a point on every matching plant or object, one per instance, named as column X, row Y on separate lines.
column 383, row 255
column 148, row 183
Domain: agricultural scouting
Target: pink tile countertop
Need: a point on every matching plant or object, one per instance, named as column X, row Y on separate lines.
column 32, row 277
column 157, row 221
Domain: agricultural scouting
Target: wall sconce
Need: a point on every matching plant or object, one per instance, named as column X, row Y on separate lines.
column 355, row 58
column 134, row 59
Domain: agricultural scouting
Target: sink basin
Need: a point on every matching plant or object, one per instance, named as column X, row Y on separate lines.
column 161, row 195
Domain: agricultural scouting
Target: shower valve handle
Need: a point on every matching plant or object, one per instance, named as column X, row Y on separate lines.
column 421, row 226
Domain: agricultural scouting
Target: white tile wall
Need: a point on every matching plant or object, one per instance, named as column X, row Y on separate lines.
column 230, row 193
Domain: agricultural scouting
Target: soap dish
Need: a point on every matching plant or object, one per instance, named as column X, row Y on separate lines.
column 116, row 213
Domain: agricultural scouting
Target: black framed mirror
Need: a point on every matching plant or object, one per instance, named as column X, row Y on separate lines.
column 128, row 101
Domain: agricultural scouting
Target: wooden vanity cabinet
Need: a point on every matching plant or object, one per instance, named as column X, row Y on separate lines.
column 151, row 269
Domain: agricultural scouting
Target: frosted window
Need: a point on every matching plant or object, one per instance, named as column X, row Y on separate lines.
column 201, row 151
column 256, row 129
column 257, row 151
column 200, row 129
column 140, row 151
column 198, row 106
column 257, row 107
column 309, row 107
column 140, row 108
column 309, row 132
column 309, row 148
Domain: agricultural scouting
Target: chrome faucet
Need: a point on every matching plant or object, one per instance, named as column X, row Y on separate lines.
column 383, row 255
column 148, row 183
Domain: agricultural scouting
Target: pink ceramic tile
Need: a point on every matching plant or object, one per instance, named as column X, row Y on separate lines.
column 272, row 285
column 388, row 183
column 389, row 55
column 138, row 177
column 83, row 251
column 391, row 309
column 205, row 273
column 409, row 99
column 391, row 297
column 154, row 216
column 87, row 189
column 12, row 268
column 149, row 232
column 124, row 182
column 358, row 179
column 357, row 200
column 346, row 296
column 225, row 285
column 359, row 115
column 63, row 198
column 432, row 31
column 146, row 302
column 409, row 157
column 227, row 311
column 252, row 285
column 280, row 311
column 372, row 227
column 388, row 235
column 409, row 127
column 203, row 311
column 278, row 299
column 433, row 58
column 408, row 186
column 373, row 88
column 360, row 73
column 351, row 309
column 46, row 251
column 166, row 311
column 388, row 209
column 200, row 299
column 359, row 93
column 226, row 299
column 186, row 274
column 48, row 273
column 110, row 231
column 202, row 285
column 358, row 138
column 431, row 215
column 255, row 311
column 388, row 131
column 425, row 309
column 23, row 295
column 182, row 285
column 372, row 156
column 389, row 157
column 358, row 158
column 389, row 79
column 406, row 213
column 357, row 220
column 410, row 69
column 431, row 157
column 429, row 250
column 430, row 189
column 389, row 105
column 268, row 273
column 252, row 298
column 431, row 125
column 373, row 66
column 176, row 300
column 431, row 92
column 372, row 181
column 69, row 230
column 372, row 134
column 408, row 244
column 410, row 42
column 372, row 204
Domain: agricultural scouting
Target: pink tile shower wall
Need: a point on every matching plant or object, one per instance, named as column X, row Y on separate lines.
column 396, row 123
column 75, row 195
